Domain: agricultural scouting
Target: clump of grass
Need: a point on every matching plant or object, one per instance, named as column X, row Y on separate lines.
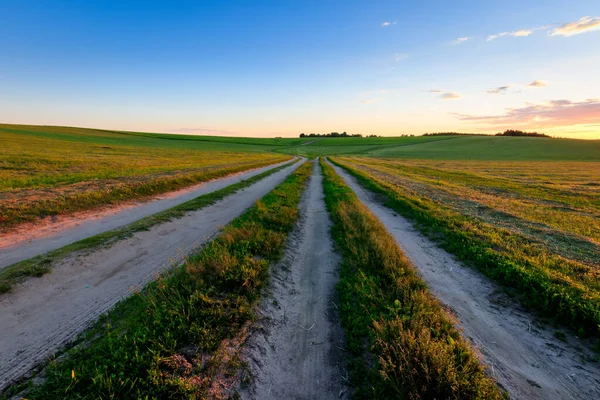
column 562, row 289
column 179, row 337
column 403, row 344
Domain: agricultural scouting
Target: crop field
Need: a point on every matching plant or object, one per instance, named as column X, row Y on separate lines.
column 533, row 226
column 50, row 171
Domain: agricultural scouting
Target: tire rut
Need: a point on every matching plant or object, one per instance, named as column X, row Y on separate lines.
column 44, row 314
column 527, row 360
column 296, row 350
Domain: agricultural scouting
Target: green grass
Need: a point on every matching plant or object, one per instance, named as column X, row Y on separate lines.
column 180, row 337
column 497, row 148
column 549, row 263
column 49, row 171
column 400, row 341
column 315, row 147
column 42, row 264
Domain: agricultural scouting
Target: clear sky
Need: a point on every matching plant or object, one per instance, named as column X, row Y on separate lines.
column 281, row 67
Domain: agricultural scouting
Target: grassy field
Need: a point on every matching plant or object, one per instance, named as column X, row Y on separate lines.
column 495, row 148
column 315, row 147
column 51, row 170
column 180, row 337
column 387, row 312
column 533, row 226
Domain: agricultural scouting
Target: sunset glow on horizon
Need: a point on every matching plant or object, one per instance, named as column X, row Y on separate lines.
column 279, row 68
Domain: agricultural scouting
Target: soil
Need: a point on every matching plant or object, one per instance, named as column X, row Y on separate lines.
column 525, row 358
column 32, row 239
column 43, row 315
column 296, row 351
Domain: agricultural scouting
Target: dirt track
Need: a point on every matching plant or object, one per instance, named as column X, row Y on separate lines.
column 526, row 360
column 35, row 239
column 43, row 314
column 296, row 351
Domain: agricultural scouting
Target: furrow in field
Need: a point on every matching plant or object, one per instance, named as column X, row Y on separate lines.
column 43, row 314
column 22, row 245
column 526, row 360
column 296, row 349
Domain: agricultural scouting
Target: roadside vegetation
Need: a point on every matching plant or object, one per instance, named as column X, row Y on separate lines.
column 179, row 337
column 534, row 227
column 63, row 170
column 42, row 264
column 401, row 342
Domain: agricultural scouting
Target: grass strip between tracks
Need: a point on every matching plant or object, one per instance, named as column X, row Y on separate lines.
column 42, row 264
column 179, row 337
column 401, row 342
column 536, row 285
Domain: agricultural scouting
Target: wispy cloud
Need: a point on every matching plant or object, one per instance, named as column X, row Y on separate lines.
column 499, row 90
column 549, row 114
column 538, row 84
column 450, row 96
column 461, row 40
column 400, row 57
column 387, row 23
column 519, row 33
column 585, row 24
column 435, row 91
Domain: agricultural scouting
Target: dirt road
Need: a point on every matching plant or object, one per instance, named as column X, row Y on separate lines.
column 43, row 314
column 528, row 361
column 296, row 351
column 31, row 240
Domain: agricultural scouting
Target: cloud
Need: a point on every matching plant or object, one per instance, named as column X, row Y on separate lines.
column 585, row 24
column 538, row 84
column 461, row 40
column 399, row 57
column 387, row 23
column 499, row 90
column 519, row 33
column 450, row 96
column 435, row 91
column 545, row 115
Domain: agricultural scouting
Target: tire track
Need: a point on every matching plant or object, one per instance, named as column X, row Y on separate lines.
column 295, row 352
column 41, row 316
column 20, row 247
column 528, row 361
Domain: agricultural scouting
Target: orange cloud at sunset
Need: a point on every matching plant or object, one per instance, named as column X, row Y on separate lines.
column 552, row 114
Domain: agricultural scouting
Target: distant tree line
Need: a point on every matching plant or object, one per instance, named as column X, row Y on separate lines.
column 512, row 132
column 333, row 134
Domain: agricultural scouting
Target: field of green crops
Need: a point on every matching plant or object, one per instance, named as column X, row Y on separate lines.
column 47, row 171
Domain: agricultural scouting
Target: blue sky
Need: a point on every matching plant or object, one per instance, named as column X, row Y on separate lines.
column 266, row 68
